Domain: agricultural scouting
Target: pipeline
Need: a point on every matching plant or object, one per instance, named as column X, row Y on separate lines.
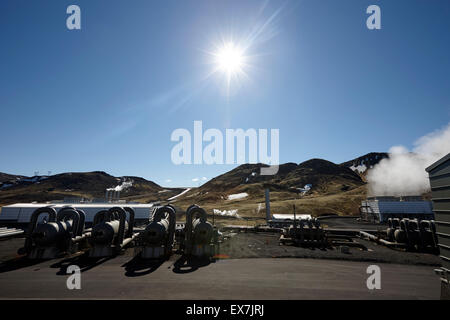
column 365, row 235
column 6, row 233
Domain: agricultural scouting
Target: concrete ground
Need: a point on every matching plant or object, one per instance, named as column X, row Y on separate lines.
column 259, row 278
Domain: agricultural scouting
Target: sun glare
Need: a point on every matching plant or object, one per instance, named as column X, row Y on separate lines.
column 230, row 59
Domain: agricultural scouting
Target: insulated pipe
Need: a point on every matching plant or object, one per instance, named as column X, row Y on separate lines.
column 82, row 222
column 105, row 227
column 130, row 221
column 193, row 209
column 368, row 235
column 53, row 233
column 188, row 225
column 121, row 213
column 34, row 218
column 382, row 241
column 105, row 232
column 199, row 230
column 202, row 232
column 125, row 242
column 101, row 216
column 69, row 213
column 161, row 214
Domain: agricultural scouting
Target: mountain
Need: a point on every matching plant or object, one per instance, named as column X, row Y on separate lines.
column 322, row 175
column 315, row 186
column 7, row 178
column 90, row 185
column 361, row 164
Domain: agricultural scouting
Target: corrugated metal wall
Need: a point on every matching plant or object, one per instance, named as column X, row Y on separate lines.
column 387, row 208
column 439, row 174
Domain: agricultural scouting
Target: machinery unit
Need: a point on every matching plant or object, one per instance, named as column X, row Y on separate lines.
column 111, row 231
column 55, row 234
column 306, row 233
column 416, row 234
column 157, row 240
column 200, row 237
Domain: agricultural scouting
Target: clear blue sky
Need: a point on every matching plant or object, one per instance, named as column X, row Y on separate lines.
column 107, row 97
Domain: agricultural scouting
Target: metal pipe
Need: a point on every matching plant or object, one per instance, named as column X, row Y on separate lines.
column 34, row 219
column 268, row 215
column 381, row 241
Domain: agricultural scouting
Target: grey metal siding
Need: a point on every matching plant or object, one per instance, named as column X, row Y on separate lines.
column 439, row 174
column 442, row 206
column 440, row 181
column 443, row 227
column 445, row 254
column 442, row 216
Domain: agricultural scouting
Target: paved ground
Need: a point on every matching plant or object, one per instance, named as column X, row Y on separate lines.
column 266, row 245
column 259, row 278
column 259, row 269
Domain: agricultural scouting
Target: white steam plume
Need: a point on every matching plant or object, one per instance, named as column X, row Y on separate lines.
column 403, row 173
column 124, row 185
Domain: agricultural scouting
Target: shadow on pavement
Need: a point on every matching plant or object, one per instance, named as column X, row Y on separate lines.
column 18, row 263
column 190, row 264
column 84, row 262
column 140, row 267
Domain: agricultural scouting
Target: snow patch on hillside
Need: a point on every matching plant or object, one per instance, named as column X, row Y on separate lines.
column 361, row 168
column 305, row 189
column 228, row 213
column 180, row 194
column 237, row 196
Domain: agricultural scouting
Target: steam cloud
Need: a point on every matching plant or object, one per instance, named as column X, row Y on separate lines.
column 403, row 173
column 124, row 185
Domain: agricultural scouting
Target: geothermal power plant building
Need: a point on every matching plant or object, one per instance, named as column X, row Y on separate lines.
column 439, row 173
column 379, row 209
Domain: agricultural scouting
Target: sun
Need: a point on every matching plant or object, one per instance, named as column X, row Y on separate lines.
column 230, row 59
column 231, row 62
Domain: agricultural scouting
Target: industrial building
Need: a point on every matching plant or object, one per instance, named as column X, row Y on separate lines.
column 20, row 213
column 379, row 209
column 439, row 174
